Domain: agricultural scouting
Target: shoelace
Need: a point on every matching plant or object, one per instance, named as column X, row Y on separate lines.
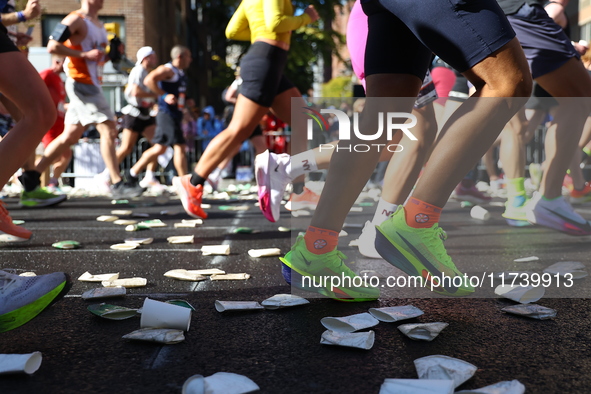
column 435, row 243
column 6, row 283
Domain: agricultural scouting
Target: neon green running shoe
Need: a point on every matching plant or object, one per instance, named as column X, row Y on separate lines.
column 420, row 252
column 325, row 274
column 23, row 298
column 40, row 197
column 515, row 212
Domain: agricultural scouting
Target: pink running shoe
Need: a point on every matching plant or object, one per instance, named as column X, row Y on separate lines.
column 272, row 175
column 467, row 191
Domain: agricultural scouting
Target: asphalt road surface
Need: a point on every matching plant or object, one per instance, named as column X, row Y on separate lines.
column 280, row 350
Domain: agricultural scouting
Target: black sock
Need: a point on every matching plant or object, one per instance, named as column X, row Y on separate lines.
column 197, row 179
column 298, row 187
column 30, row 180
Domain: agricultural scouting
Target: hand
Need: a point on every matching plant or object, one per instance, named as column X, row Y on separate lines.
column 32, row 10
column 22, row 39
column 170, row 99
column 94, row 55
column 310, row 10
column 580, row 47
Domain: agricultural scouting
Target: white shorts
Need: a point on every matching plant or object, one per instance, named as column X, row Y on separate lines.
column 87, row 105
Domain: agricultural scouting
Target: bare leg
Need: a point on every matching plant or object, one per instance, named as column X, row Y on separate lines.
column 180, row 159
column 128, row 140
column 56, row 148
column 108, row 134
column 148, row 157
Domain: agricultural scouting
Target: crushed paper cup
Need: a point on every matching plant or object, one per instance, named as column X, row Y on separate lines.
column 422, row 331
column 219, row 383
column 156, row 314
column 126, row 282
column 88, row 277
column 521, row 294
column 188, row 223
column 66, row 245
column 444, row 367
column 240, row 276
column 20, row 363
column 105, row 292
column 575, row 268
column 417, row 386
column 107, row 218
column 112, row 312
column 208, row 250
column 121, row 212
column 181, row 274
column 192, row 221
column 137, row 227
column 125, row 246
column 165, row 336
column 533, row 311
column 208, row 271
column 244, row 230
column 393, row 314
column 505, row 387
column 154, row 223
column 225, row 306
column 477, row 212
column 181, row 239
column 141, row 241
column 28, row 274
column 279, row 301
column 527, row 259
column 124, row 222
column 351, row 323
column 269, row 252
column 360, row 340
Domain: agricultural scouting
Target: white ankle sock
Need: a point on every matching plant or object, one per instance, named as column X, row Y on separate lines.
column 149, row 174
column 302, row 163
column 132, row 173
column 383, row 211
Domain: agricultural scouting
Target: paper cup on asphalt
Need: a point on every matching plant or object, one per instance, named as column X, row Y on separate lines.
column 444, row 367
column 391, row 314
column 521, row 294
column 360, row 340
column 20, row 363
column 223, row 306
column 417, row 386
column 156, row 314
column 215, row 249
column 477, row 212
column 351, row 323
column 574, row 268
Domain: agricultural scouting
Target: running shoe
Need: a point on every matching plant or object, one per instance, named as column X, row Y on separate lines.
column 190, row 196
column 102, row 183
column 556, row 214
column 151, row 183
column 23, row 298
column 307, row 200
column 467, row 191
column 535, row 174
column 580, row 196
column 420, row 252
column 10, row 232
column 272, row 178
column 367, row 241
column 515, row 212
column 40, row 197
column 126, row 190
column 319, row 269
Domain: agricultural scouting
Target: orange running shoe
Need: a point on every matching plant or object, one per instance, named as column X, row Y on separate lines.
column 307, row 200
column 9, row 232
column 580, row 196
column 190, row 196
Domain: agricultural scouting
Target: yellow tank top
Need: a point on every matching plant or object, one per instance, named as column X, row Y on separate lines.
column 272, row 19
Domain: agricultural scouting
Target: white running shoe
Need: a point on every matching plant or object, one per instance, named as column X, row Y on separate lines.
column 272, row 175
column 367, row 241
column 103, row 184
column 556, row 214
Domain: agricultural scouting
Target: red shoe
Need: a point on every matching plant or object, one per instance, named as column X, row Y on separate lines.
column 190, row 196
column 307, row 200
column 467, row 191
column 580, row 196
column 10, row 232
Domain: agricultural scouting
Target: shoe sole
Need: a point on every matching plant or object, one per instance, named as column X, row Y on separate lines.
column 23, row 315
column 43, row 203
column 557, row 226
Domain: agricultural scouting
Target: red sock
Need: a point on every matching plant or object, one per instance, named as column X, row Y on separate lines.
column 320, row 240
column 420, row 214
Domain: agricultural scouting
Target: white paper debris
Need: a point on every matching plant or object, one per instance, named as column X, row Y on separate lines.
column 351, row 323
column 443, row 367
column 107, row 218
column 165, row 336
column 228, row 383
column 393, row 314
column 181, row 239
column 28, row 274
column 269, row 252
column 533, row 311
column 505, row 387
column 106, row 292
column 422, row 331
column 20, row 363
column 527, row 259
column 141, row 241
column 224, row 306
column 283, row 301
column 125, row 246
column 574, row 268
column 361, row 340
column 181, row 274
column 124, row 222
column 521, row 294
column 121, row 212
column 88, row 277
column 417, row 386
column 126, row 282
column 208, row 250
column 241, row 276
